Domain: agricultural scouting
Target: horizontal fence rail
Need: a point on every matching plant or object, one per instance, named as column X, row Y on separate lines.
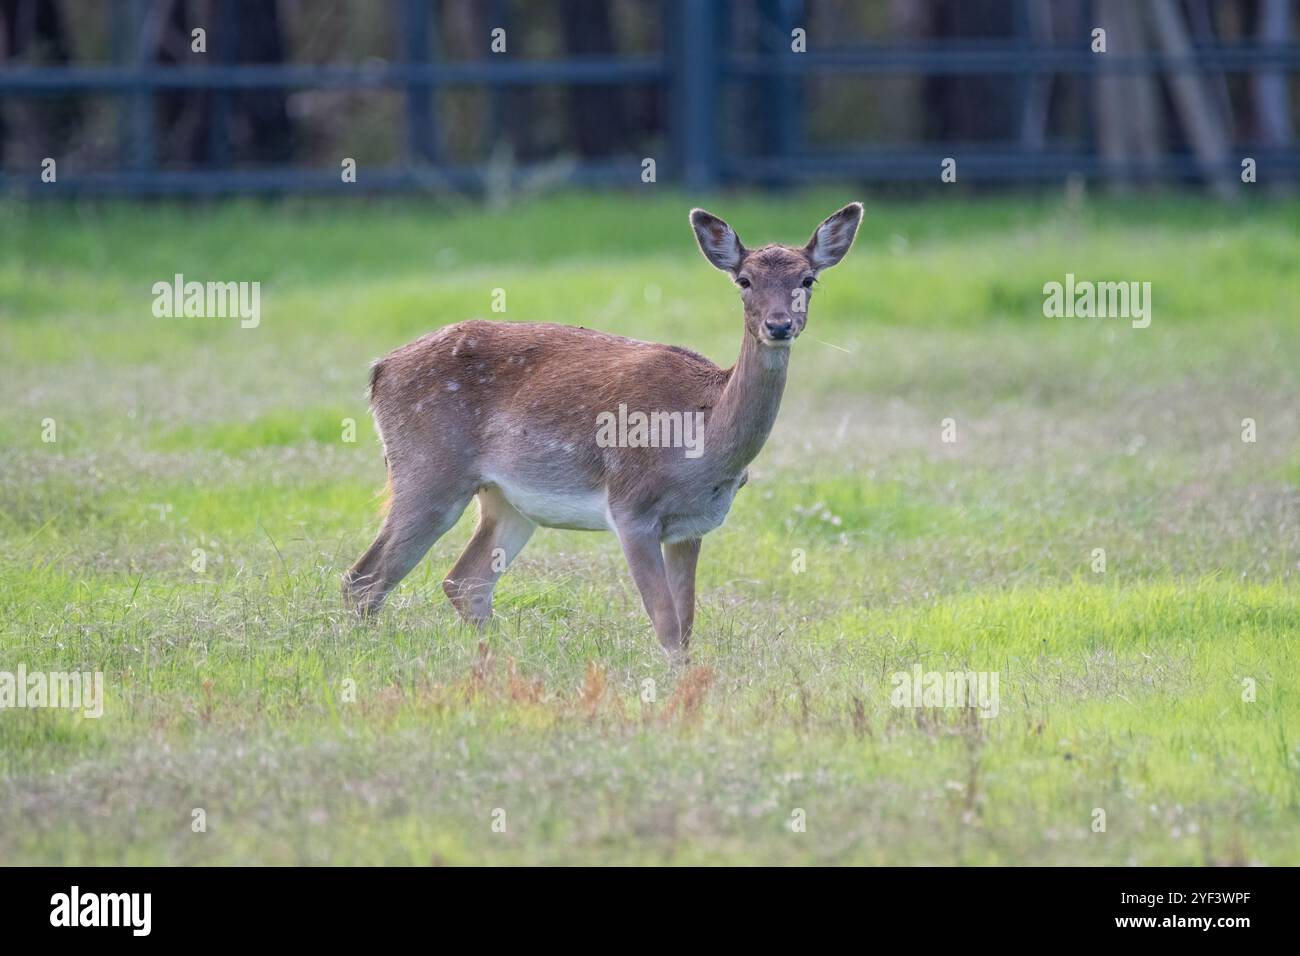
column 963, row 60
column 363, row 77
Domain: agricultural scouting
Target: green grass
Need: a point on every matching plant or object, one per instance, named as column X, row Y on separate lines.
column 186, row 531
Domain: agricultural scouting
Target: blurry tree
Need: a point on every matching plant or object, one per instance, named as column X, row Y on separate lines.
column 596, row 113
column 256, row 122
column 909, row 22
column 971, row 108
column 1198, row 111
column 1270, row 92
column 35, row 32
column 1130, row 134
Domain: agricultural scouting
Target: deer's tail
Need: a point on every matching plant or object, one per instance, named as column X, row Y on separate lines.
column 386, row 502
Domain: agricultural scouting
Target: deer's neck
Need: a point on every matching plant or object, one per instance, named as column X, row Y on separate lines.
column 748, row 404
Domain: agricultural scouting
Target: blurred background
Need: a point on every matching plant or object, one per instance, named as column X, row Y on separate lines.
column 273, row 95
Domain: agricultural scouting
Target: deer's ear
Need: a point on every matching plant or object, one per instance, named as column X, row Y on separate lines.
column 718, row 241
column 832, row 240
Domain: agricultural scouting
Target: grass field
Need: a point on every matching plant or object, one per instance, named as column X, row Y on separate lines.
column 863, row 545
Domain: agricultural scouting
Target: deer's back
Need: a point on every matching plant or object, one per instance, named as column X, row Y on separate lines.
column 517, row 404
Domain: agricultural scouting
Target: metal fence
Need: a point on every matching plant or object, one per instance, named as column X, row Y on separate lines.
column 694, row 69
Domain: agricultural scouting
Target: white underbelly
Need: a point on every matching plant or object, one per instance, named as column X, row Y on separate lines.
column 577, row 510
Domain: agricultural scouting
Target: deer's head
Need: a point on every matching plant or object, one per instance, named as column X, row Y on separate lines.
column 776, row 281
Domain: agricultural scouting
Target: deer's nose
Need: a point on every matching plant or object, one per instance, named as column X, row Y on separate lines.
column 778, row 326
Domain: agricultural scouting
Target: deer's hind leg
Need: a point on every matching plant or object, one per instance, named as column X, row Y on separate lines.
column 422, row 511
column 499, row 536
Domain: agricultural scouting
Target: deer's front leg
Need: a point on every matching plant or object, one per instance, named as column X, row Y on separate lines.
column 646, row 561
column 680, row 559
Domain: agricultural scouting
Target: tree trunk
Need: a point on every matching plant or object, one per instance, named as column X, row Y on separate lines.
column 1205, row 128
column 1269, row 89
column 1129, row 129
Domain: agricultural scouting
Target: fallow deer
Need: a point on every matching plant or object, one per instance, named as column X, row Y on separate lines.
column 507, row 412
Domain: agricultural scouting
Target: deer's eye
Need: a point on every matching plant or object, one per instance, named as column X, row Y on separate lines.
column 742, row 282
column 808, row 282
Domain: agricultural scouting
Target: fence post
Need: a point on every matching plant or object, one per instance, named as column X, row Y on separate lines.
column 694, row 67
column 131, row 47
column 416, row 30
